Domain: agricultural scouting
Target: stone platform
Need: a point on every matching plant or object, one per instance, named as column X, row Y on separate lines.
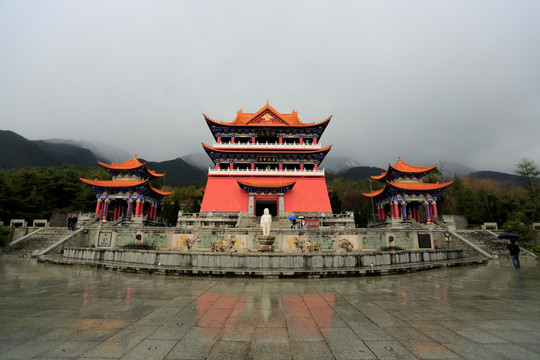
column 261, row 264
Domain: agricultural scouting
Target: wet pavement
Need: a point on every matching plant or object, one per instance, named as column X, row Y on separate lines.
column 473, row 312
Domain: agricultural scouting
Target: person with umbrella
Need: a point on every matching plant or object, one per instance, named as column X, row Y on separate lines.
column 293, row 221
column 512, row 247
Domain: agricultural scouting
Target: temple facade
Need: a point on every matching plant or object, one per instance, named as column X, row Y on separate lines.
column 129, row 193
column 405, row 195
column 266, row 160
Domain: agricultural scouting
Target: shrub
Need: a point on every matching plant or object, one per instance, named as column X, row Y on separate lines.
column 5, row 232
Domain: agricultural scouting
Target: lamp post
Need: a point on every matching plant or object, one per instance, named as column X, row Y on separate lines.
column 372, row 204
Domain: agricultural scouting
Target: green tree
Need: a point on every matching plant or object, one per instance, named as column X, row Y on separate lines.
column 528, row 172
column 4, row 235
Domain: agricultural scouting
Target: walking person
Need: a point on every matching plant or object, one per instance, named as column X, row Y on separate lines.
column 70, row 221
column 514, row 252
column 73, row 222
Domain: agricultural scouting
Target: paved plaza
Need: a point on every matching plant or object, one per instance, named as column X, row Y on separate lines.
column 472, row 312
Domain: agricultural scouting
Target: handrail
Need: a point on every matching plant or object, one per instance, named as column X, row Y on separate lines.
column 60, row 242
column 26, row 236
column 284, row 172
column 486, row 254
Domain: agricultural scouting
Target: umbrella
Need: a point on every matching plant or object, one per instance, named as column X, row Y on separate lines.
column 509, row 236
column 292, row 217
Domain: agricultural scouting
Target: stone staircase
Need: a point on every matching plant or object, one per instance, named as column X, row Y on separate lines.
column 255, row 222
column 34, row 243
column 488, row 242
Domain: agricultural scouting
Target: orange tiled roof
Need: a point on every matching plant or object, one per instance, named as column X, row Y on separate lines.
column 277, row 184
column 237, row 150
column 413, row 186
column 266, row 116
column 161, row 192
column 403, row 167
column 131, row 164
column 114, row 183
column 121, row 183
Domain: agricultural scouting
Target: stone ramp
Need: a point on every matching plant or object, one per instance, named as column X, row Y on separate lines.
column 35, row 243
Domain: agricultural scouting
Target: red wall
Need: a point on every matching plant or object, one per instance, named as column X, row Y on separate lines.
column 309, row 194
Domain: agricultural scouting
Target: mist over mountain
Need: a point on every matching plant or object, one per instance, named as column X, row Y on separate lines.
column 198, row 159
column 103, row 151
column 178, row 172
column 191, row 169
column 19, row 152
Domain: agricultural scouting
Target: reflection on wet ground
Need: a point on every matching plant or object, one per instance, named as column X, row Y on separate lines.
column 61, row 312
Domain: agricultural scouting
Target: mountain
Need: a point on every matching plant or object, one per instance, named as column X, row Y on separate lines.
column 178, row 172
column 199, row 160
column 361, row 172
column 19, row 152
column 449, row 169
column 494, row 175
column 103, row 151
column 337, row 164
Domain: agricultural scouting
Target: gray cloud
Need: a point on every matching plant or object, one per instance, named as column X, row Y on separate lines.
column 426, row 80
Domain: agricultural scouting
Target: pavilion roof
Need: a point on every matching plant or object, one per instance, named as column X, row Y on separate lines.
column 124, row 184
column 132, row 164
column 267, row 116
column 403, row 168
column 411, row 186
column 260, row 184
column 267, row 151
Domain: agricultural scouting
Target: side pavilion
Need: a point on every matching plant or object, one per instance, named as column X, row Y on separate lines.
column 129, row 192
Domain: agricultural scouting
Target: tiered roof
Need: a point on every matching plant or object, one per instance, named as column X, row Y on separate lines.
column 131, row 165
column 267, row 116
column 401, row 169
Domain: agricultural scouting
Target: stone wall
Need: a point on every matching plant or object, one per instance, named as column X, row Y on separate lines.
column 261, row 261
column 246, row 239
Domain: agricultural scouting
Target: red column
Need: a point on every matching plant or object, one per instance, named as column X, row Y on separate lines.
column 379, row 213
column 281, row 140
column 232, row 140
column 105, row 210
column 301, row 140
column 217, row 166
column 253, row 140
column 301, row 166
column 231, row 167
column 396, row 210
column 115, row 213
column 219, row 140
column 435, row 215
column 252, row 166
column 98, row 207
column 280, row 167
column 314, row 141
column 315, row 167
column 137, row 207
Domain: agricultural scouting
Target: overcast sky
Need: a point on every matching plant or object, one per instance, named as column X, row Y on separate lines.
column 427, row 80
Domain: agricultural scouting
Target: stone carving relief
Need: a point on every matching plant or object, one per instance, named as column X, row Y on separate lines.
column 307, row 246
column 342, row 244
column 224, row 244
